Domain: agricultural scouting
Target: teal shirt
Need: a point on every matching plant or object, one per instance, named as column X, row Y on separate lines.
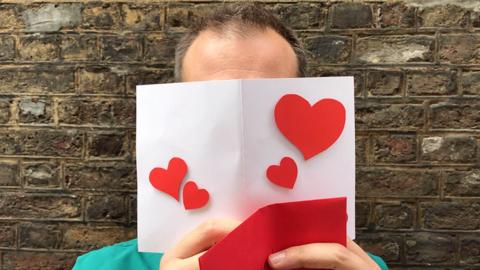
column 125, row 255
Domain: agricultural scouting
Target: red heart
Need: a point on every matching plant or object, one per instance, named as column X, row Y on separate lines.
column 193, row 197
column 284, row 174
column 312, row 129
column 169, row 180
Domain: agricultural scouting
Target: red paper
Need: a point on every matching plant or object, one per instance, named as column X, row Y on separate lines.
column 285, row 174
column 276, row 227
column 193, row 197
column 169, row 180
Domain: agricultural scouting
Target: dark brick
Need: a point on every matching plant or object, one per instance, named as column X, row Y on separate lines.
column 374, row 115
column 106, row 208
column 133, row 209
column 38, row 47
column 471, row 83
column 102, row 16
column 160, row 48
column 443, row 16
column 361, row 145
column 101, row 176
column 329, row 49
column 40, row 236
column 65, row 143
column 394, row 49
column 7, row 236
column 5, row 113
column 459, row 48
column 35, row 110
column 7, row 47
column 396, row 15
column 121, row 48
column 37, row 206
column 427, row 247
column 142, row 17
column 37, row 80
column 29, row 260
column 450, row 215
column 148, row 76
column 394, row 148
column 432, row 83
column 76, row 47
column 387, row 246
column 10, row 16
column 352, row 15
column 362, row 214
column 451, row 115
column 384, row 83
column 100, row 80
column 470, row 249
column 302, row 15
column 358, row 78
column 107, row 145
column 394, row 216
column 105, row 112
column 41, row 174
column 462, row 183
column 81, row 237
column 460, row 149
column 381, row 182
column 9, row 174
column 185, row 15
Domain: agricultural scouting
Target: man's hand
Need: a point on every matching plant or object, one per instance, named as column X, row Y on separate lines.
column 184, row 256
column 323, row 256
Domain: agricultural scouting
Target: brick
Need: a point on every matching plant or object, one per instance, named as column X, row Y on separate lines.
column 427, row 247
column 37, row 206
column 106, row 208
column 29, row 260
column 450, row 215
column 302, row 15
column 358, row 78
column 459, row 48
column 7, row 48
column 37, row 80
column 41, row 174
column 10, row 17
column 374, row 115
column 384, row 83
column 38, row 47
column 361, row 146
column 65, row 143
column 462, row 183
column 105, row 16
column 147, row 76
column 100, row 80
column 382, row 182
column 394, row 148
column 7, row 236
column 160, row 48
column 52, row 17
column 454, row 115
column 396, row 15
column 80, row 237
column 386, row 245
column 105, row 112
column 39, row 236
column 452, row 148
column 101, row 176
column 133, row 209
column 75, row 47
column 362, row 214
column 35, row 110
column 329, row 49
column 9, row 174
column 184, row 15
column 352, row 15
column 121, row 48
column 394, row 49
column 432, row 83
column 5, row 111
column 471, row 83
column 394, row 216
column 470, row 249
column 443, row 16
column 142, row 17
column 107, row 145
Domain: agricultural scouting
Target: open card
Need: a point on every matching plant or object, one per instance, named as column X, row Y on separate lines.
column 223, row 149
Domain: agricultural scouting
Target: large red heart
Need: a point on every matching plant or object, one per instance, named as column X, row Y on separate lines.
column 312, row 129
column 285, row 174
column 169, row 180
column 193, row 197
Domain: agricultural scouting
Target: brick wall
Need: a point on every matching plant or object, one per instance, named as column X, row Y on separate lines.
column 67, row 120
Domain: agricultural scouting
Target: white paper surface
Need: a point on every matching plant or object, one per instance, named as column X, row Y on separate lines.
column 226, row 133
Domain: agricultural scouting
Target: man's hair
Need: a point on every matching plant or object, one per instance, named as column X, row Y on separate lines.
column 233, row 19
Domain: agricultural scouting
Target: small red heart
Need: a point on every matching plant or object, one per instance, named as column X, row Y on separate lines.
column 312, row 129
column 285, row 174
column 193, row 197
column 169, row 180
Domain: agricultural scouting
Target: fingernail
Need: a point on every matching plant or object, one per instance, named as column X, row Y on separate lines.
column 276, row 258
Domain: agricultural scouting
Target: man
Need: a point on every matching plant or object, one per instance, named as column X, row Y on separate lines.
column 238, row 41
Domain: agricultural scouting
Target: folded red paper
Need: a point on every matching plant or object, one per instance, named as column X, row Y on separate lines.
column 276, row 227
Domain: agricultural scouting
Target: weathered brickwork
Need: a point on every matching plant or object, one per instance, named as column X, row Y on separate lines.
column 68, row 72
